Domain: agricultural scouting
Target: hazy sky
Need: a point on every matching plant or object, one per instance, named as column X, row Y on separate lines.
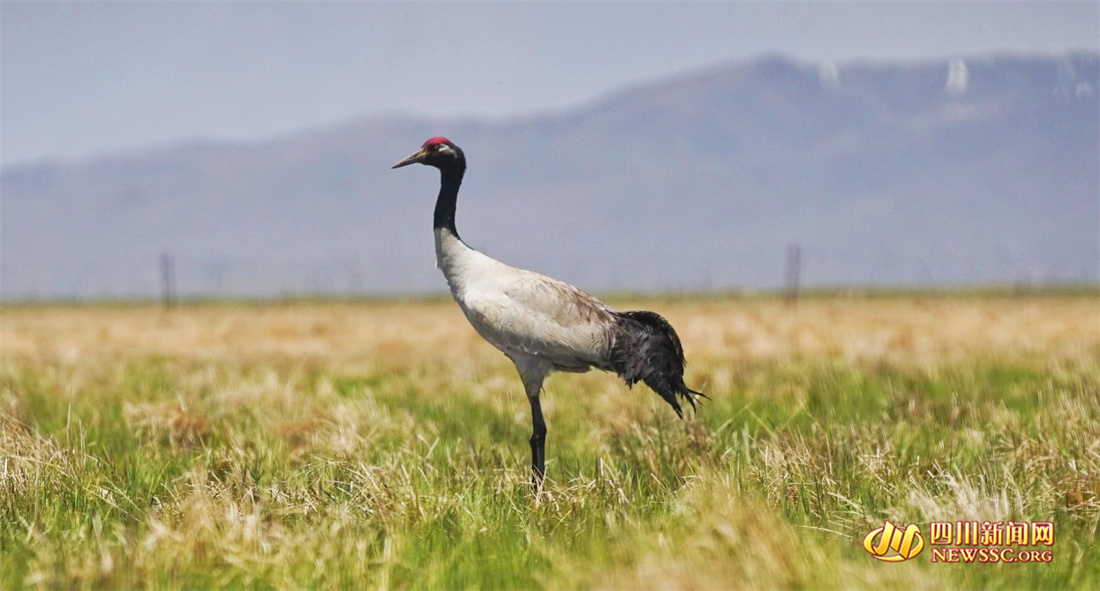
column 83, row 79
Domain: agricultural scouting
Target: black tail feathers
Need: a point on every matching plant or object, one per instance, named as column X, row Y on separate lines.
column 647, row 349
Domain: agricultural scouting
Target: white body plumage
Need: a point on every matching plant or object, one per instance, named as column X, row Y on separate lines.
column 540, row 323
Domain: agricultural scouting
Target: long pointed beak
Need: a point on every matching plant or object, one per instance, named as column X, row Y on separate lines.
column 417, row 157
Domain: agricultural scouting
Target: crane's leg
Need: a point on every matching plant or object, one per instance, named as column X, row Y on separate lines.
column 533, row 373
column 538, row 443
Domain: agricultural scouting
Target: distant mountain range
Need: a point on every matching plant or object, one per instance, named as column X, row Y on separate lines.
column 983, row 170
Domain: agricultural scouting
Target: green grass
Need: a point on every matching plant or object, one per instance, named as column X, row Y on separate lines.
column 168, row 472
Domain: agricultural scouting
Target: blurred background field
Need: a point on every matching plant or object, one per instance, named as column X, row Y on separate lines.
column 382, row 444
column 903, row 328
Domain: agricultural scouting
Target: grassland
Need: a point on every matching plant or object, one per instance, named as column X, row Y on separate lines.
column 384, row 445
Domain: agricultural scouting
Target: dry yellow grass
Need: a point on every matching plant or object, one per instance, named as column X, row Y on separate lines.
column 905, row 330
column 383, row 444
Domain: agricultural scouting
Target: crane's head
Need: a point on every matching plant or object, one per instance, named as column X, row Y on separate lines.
column 438, row 152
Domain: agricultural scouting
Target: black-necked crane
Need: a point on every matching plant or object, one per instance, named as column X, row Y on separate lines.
column 544, row 325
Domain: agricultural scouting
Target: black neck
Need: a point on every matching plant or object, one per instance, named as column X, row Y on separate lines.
column 450, row 180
